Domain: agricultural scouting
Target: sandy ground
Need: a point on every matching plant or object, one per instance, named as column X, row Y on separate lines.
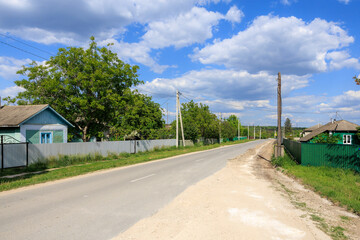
column 248, row 199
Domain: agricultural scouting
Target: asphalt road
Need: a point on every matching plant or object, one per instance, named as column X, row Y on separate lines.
column 102, row 205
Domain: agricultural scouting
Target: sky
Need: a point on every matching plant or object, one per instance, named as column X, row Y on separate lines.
column 222, row 53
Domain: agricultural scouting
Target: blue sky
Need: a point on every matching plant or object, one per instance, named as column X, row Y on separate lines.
column 225, row 54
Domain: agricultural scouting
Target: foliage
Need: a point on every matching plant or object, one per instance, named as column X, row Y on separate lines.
column 198, row 121
column 288, row 128
column 358, row 133
column 84, row 85
column 326, row 138
column 357, row 80
column 139, row 113
column 228, row 130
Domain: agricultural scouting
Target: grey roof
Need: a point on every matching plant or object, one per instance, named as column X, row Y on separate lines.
column 13, row 116
column 312, row 128
column 336, row 126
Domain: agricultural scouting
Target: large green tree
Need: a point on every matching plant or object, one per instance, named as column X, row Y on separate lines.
column 86, row 86
column 137, row 113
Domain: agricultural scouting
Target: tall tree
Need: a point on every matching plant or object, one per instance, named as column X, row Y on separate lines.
column 83, row 85
column 140, row 114
column 288, row 127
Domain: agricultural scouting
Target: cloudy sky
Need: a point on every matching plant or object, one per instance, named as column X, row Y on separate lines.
column 223, row 53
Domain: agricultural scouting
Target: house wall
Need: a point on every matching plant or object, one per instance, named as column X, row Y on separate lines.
column 32, row 133
column 353, row 137
column 12, row 132
column 46, row 117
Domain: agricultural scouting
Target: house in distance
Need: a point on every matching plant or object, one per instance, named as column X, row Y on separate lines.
column 344, row 129
column 37, row 124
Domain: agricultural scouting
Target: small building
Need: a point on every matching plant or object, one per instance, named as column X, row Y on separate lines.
column 344, row 129
column 34, row 124
column 310, row 129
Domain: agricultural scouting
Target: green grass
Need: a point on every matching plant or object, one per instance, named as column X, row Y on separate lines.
column 339, row 185
column 69, row 166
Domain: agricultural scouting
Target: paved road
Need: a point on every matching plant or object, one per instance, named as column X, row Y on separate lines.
column 100, row 206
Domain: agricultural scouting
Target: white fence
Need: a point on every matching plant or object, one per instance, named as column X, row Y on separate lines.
column 14, row 154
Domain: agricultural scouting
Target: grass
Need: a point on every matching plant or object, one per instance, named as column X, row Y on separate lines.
column 336, row 233
column 339, row 185
column 68, row 166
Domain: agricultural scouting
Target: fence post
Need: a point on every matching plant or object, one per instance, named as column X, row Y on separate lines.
column 27, row 154
column 2, row 152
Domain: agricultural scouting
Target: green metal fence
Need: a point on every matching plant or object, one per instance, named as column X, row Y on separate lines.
column 294, row 148
column 333, row 155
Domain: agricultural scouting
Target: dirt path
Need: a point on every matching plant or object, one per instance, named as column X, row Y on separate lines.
column 245, row 200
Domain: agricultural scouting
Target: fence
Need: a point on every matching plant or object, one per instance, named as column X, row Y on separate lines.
column 294, row 148
column 321, row 154
column 332, row 155
column 14, row 153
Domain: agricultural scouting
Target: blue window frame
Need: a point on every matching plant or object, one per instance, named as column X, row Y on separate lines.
column 45, row 137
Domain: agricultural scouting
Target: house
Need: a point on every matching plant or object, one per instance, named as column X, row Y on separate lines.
column 34, row 124
column 310, row 129
column 345, row 129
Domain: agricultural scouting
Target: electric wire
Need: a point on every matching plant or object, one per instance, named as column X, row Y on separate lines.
column 20, row 49
column 26, row 44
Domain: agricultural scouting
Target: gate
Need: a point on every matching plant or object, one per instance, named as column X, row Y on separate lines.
column 13, row 153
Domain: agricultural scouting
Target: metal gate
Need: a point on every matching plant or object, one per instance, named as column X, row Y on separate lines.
column 13, row 153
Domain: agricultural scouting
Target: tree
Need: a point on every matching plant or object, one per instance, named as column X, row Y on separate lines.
column 139, row 113
column 84, row 86
column 288, row 128
column 326, row 138
column 198, row 121
column 357, row 80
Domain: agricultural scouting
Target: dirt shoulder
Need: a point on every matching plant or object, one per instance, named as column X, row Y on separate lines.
column 248, row 199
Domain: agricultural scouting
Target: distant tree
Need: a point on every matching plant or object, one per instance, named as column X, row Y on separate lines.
column 233, row 121
column 227, row 130
column 86, row 86
column 357, row 80
column 198, row 121
column 288, row 127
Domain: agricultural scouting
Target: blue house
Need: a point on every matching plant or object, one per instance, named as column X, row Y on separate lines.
column 33, row 123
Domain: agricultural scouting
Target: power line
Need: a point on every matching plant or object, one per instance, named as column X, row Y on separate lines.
column 23, row 50
column 27, row 44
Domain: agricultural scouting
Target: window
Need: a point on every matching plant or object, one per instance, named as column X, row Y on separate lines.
column 46, row 137
column 346, row 139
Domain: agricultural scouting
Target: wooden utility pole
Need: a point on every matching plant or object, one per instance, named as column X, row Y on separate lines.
column 238, row 129
column 260, row 132
column 248, row 132
column 278, row 152
column 220, row 130
column 254, row 131
column 182, row 128
column 177, row 119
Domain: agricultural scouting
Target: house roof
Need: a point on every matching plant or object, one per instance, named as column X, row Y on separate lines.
column 312, row 128
column 336, row 126
column 14, row 116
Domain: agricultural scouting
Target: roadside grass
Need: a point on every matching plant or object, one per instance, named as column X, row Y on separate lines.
column 341, row 186
column 68, row 166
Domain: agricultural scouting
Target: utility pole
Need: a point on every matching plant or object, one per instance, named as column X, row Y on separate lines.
column 177, row 119
column 238, row 129
column 254, row 131
column 260, row 132
column 248, row 132
column 220, row 130
column 181, row 123
column 278, row 152
column 167, row 113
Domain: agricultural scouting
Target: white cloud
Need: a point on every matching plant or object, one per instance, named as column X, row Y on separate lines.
column 194, row 26
column 287, row 2
column 342, row 59
column 344, row 1
column 227, row 84
column 11, row 91
column 9, row 66
column 271, row 43
column 183, row 30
